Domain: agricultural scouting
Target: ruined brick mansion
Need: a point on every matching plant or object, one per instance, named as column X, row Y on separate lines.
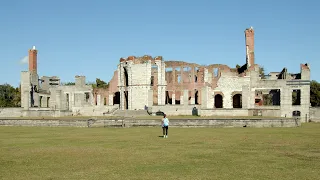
column 173, row 87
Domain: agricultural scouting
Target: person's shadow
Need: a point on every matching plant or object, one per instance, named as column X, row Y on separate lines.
column 160, row 136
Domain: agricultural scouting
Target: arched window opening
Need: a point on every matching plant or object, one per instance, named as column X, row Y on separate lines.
column 237, row 101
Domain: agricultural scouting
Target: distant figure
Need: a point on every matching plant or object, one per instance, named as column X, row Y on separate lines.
column 165, row 126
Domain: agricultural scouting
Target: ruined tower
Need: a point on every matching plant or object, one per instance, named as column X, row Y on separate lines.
column 29, row 82
column 34, row 78
column 249, row 35
column 136, row 81
column 33, row 60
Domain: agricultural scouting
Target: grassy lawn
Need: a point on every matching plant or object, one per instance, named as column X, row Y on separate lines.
column 139, row 153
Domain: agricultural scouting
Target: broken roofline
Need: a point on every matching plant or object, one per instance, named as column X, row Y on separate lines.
column 305, row 66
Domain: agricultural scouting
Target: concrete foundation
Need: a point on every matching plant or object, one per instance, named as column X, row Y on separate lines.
column 255, row 123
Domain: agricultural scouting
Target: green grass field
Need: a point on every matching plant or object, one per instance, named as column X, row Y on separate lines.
column 139, row 153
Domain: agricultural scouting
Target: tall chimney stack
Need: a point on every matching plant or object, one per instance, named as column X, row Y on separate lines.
column 249, row 35
column 33, row 59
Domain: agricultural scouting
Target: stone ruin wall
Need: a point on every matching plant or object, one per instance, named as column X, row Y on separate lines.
column 154, row 82
column 179, row 77
column 107, row 96
column 193, row 77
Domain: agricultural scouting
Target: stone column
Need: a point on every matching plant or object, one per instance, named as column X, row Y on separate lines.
column 163, row 91
column 181, row 98
column 192, row 75
column 205, row 74
column 122, row 99
column 160, row 96
column 91, row 99
column 186, row 97
column 98, row 100
column 204, row 97
column 173, row 98
column 211, row 105
column 25, row 89
column 227, row 100
column 199, row 96
column 58, row 100
column 104, row 100
column 71, row 104
column 245, row 97
column 111, row 99
column 150, row 97
column 173, row 75
column 251, row 98
column 181, row 78
column 192, row 101
column 44, row 101
column 36, row 99
column 161, row 83
column 130, row 98
column 77, row 100
column 26, row 100
column 305, row 103
column 63, row 101
column 286, row 102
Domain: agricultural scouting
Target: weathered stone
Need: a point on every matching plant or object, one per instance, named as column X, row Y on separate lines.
column 258, row 123
column 173, row 87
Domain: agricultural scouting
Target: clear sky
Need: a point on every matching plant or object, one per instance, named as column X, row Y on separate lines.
column 89, row 37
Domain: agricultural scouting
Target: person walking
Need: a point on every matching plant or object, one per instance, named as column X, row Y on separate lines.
column 165, row 126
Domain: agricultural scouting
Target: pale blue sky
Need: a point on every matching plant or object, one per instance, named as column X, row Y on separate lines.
column 89, row 37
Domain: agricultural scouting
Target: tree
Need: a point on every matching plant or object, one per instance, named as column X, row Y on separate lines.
column 9, row 96
column 295, row 98
column 101, row 84
column 17, row 97
column 315, row 93
column 267, row 99
column 261, row 72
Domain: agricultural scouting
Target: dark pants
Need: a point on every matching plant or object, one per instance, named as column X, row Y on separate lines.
column 165, row 130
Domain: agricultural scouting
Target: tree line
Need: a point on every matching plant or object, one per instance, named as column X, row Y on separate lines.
column 11, row 96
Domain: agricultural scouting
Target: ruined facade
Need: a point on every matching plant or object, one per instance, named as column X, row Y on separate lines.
column 47, row 96
column 176, row 88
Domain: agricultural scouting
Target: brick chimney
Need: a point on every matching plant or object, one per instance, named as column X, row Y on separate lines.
column 249, row 35
column 33, row 59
